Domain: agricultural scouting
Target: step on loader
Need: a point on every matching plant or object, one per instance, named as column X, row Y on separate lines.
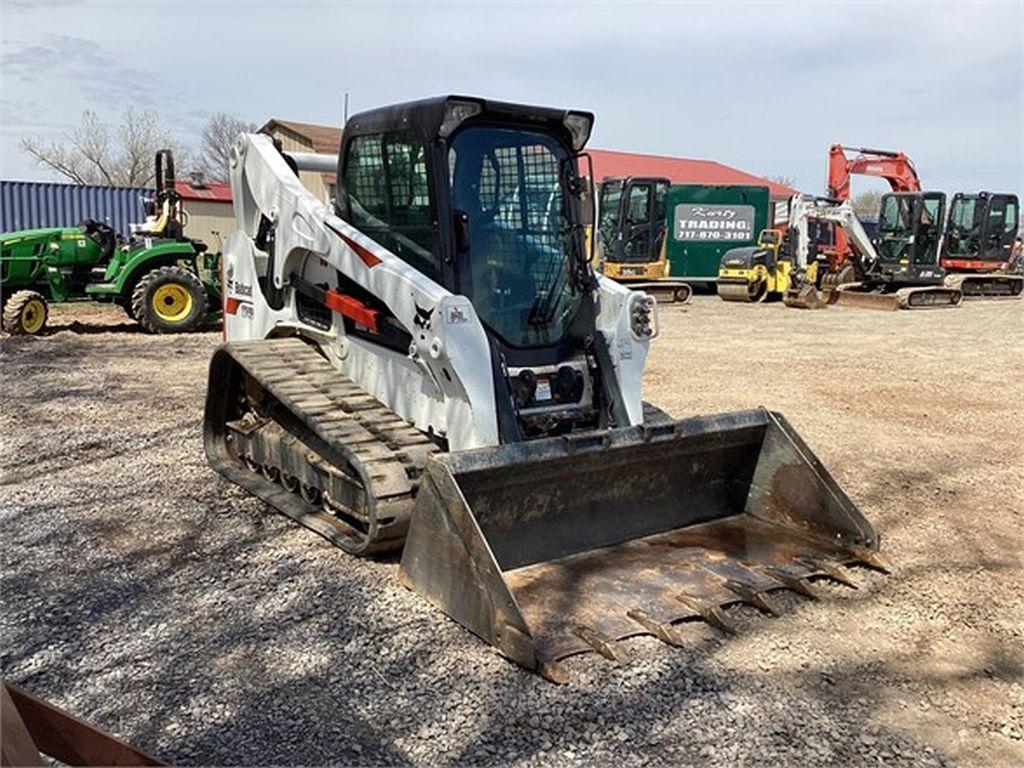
column 431, row 366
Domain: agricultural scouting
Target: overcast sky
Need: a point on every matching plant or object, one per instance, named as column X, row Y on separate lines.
column 765, row 87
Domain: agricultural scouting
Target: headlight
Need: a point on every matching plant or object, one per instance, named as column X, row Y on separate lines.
column 641, row 316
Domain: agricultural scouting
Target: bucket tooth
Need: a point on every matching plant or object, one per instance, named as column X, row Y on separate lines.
column 553, row 672
column 831, row 570
column 600, row 643
column 709, row 614
column 798, row 584
column 751, row 596
column 661, row 630
column 869, row 558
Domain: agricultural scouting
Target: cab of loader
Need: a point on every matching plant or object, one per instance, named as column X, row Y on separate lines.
column 484, row 198
column 631, row 225
column 981, row 226
column 910, row 228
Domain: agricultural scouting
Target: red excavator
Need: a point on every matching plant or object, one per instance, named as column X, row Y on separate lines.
column 894, row 167
column 978, row 247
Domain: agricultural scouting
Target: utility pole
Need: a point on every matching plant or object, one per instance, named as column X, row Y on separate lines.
column 344, row 117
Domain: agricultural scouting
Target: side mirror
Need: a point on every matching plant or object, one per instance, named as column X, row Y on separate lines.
column 461, row 226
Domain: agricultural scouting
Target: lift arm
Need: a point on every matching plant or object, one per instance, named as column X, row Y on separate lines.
column 893, row 166
column 803, row 208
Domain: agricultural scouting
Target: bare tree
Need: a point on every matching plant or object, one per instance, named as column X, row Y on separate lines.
column 867, row 203
column 786, row 181
column 92, row 153
column 218, row 136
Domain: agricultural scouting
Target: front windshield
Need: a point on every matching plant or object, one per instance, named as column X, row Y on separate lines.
column 910, row 227
column 507, row 188
column 964, row 226
column 895, row 227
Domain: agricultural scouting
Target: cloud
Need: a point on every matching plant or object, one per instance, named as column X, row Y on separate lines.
column 24, row 6
column 765, row 87
column 80, row 64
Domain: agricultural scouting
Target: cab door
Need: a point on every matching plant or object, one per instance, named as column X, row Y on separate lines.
column 642, row 225
column 930, row 215
column 999, row 228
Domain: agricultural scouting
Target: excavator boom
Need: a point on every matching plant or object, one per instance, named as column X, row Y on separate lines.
column 893, row 166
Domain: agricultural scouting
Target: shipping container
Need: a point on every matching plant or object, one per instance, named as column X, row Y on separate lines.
column 706, row 221
column 37, row 205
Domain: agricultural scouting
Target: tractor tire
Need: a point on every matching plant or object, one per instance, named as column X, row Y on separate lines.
column 25, row 313
column 169, row 300
column 126, row 305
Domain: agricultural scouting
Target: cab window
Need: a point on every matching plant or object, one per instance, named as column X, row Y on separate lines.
column 387, row 197
column 639, row 209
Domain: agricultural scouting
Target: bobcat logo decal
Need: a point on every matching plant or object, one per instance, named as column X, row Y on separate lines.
column 422, row 319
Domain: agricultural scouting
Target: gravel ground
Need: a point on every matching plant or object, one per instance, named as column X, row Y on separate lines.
column 144, row 593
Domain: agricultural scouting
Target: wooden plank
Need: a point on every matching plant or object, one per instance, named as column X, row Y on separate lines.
column 16, row 745
column 69, row 739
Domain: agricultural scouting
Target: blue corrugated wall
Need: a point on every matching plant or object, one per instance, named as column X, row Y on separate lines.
column 38, row 204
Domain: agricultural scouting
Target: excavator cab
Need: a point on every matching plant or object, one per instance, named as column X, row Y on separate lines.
column 909, row 235
column 977, row 250
column 631, row 236
column 632, row 224
column 981, row 228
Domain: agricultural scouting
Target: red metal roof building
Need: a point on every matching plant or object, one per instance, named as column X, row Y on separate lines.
column 211, row 217
column 212, row 191
column 678, row 170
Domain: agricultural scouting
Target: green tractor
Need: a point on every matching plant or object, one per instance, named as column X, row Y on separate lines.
column 162, row 279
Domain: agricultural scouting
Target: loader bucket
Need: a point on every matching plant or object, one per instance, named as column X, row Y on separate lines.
column 552, row 548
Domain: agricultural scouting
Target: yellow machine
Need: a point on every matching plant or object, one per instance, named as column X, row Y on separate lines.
column 626, row 272
column 758, row 273
column 631, row 237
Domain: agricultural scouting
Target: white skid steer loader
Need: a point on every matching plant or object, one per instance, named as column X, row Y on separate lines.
column 432, row 364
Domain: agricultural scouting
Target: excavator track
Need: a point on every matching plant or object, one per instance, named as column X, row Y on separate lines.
column 862, row 295
column 665, row 291
column 284, row 424
column 987, row 285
